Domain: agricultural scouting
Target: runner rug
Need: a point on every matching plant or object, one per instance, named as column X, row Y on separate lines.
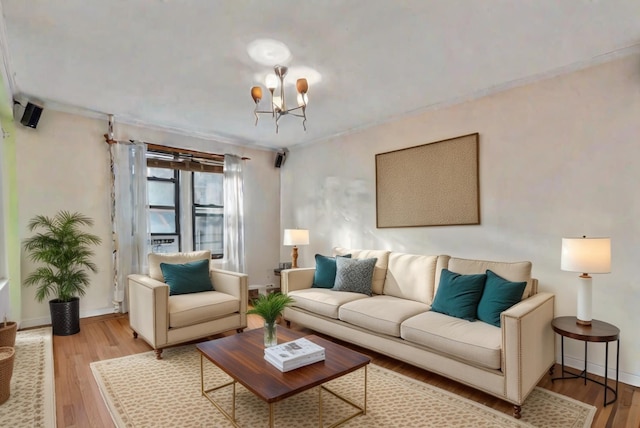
column 32, row 399
column 141, row 391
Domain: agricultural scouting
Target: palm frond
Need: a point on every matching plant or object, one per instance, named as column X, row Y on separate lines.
column 65, row 250
column 270, row 306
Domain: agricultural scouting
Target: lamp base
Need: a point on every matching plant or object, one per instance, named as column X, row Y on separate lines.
column 584, row 300
column 294, row 257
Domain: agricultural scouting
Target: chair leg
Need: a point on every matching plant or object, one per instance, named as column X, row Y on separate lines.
column 135, row 334
column 158, row 354
column 288, row 323
column 516, row 412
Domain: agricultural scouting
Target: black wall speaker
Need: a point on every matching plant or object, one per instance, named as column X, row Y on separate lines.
column 31, row 115
column 280, row 158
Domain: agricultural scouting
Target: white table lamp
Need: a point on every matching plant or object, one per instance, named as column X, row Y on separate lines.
column 295, row 237
column 585, row 255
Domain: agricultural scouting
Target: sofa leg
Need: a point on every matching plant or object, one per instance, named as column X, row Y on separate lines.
column 551, row 369
column 135, row 334
column 516, row 412
column 239, row 330
column 158, row 354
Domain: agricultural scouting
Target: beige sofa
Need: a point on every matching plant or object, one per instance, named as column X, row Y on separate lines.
column 163, row 320
column 506, row 361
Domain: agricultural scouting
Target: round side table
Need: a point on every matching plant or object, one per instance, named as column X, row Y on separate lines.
column 598, row 331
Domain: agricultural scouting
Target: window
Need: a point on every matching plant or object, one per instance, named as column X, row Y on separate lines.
column 164, row 219
column 185, row 204
column 207, row 212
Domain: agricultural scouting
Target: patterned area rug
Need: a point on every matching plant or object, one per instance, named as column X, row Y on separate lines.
column 32, row 399
column 141, row 391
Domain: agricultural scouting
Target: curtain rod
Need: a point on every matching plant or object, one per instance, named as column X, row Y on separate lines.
column 174, row 150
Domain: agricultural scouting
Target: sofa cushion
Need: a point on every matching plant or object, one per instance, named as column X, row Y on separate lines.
column 498, row 296
column 184, row 278
column 411, row 276
column 381, row 314
column 476, row 342
column 380, row 271
column 325, row 273
column 517, row 271
column 155, row 259
column 196, row 308
column 323, row 301
column 458, row 295
column 354, row 275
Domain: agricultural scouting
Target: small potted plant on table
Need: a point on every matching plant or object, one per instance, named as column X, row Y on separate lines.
column 65, row 251
column 270, row 307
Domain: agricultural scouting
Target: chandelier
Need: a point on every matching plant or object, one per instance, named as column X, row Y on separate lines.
column 278, row 104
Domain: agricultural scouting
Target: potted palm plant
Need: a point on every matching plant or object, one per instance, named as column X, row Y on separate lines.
column 270, row 307
column 65, row 250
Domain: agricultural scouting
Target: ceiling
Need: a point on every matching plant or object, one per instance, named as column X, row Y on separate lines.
column 183, row 65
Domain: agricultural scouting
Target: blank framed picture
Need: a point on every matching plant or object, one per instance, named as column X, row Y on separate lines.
column 434, row 184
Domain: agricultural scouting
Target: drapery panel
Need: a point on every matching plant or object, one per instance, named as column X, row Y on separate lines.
column 129, row 215
column 233, row 214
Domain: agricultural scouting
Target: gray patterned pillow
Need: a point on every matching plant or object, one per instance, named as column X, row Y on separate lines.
column 354, row 275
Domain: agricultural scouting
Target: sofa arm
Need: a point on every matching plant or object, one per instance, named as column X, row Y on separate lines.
column 149, row 308
column 296, row 279
column 528, row 344
column 235, row 284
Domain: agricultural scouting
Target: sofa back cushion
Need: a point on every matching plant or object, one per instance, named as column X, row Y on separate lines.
column 155, row 259
column 380, row 269
column 411, row 276
column 516, row 271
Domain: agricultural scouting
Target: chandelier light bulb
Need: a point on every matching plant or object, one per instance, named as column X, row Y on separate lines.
column 271, row 81
column 303, row 99
column 302, row 86
column 256, row 94
column 277, row 101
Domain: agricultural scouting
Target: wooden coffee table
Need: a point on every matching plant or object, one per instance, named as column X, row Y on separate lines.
column 241, row 356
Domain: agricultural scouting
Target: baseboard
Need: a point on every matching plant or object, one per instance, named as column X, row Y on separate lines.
column 42, row 321
column 598, row 370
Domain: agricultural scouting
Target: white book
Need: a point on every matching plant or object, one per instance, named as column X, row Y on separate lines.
column 300, row 349
column 292, row 365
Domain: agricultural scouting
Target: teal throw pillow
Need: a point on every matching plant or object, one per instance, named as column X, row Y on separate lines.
column 499, row 295
column 325, row 274
column 354, row 275
column 187, row 278
column 458, row 295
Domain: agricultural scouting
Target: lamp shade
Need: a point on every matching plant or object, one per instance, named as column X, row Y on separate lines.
column 586, row 255
column 296, row 237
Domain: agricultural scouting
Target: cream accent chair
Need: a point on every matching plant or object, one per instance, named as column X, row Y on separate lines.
column 163, row 320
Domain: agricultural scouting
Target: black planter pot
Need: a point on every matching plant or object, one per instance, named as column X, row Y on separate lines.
column 65, row 316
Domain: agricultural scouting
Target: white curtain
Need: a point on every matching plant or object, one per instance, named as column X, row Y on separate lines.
column 233, row 214
column 129, row 215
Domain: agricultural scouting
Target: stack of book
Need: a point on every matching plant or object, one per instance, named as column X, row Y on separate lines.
column 295, row 354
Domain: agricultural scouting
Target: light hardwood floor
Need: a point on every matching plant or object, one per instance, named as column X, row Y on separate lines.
column 79, row 404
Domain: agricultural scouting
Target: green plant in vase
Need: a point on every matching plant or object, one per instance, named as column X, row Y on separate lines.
column 270, row 307
column 65, row 253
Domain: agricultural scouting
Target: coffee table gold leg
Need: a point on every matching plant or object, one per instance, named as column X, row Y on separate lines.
column 320, row 407
column 364, row 409
column 202, row 373
column 233, row 402
column 271, row 416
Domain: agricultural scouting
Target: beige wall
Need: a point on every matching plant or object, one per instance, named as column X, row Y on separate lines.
column 64, row 164
column 558, row 158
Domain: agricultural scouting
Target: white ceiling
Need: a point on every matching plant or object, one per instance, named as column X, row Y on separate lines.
column 182, row 65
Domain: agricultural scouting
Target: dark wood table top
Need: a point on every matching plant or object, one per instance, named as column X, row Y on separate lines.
column 598, row 331
column 241, row 356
